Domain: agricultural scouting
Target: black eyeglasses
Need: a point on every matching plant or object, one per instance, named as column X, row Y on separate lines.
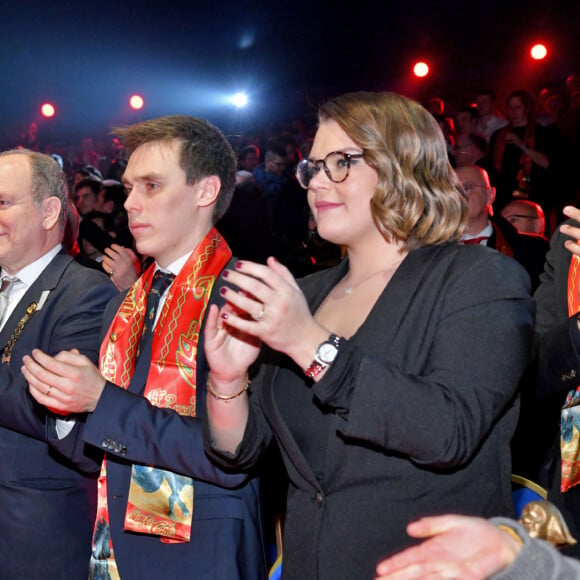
column 336, row 166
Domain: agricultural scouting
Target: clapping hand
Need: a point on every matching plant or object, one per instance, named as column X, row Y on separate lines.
column 270, row 306
column 66, row 383
column 122, row 265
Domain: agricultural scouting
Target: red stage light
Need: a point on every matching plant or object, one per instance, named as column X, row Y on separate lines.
column 539, row 51
column 47, row 110
column 421, row 69
column 136, row 102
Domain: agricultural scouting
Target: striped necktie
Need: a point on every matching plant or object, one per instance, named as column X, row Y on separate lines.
column 161, row 281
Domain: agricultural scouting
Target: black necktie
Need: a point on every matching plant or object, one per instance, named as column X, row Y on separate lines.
column 161, row 281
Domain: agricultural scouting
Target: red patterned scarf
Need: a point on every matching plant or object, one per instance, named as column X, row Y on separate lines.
column 161, row 502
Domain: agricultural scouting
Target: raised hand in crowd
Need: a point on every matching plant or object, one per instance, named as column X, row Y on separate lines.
column 122, row 265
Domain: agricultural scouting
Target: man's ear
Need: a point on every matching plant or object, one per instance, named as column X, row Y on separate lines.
column 51, row 207
column 210, row 188
column 491, row 195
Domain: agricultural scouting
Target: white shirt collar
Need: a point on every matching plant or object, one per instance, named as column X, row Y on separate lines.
column 30, row 273
column 486, row 231
column 26, row 278
column 175, row 266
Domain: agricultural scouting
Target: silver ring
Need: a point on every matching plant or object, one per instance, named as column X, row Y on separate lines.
column 111, row 273
column 259, row 317
column 48, row 390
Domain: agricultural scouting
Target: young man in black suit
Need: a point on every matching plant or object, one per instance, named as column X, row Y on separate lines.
column 146, row 401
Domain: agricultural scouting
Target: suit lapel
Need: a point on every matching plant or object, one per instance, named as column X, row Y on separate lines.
column 47, row 281
column 383, row 322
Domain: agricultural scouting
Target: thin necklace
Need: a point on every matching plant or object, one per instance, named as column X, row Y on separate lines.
column 391, row 269
column 349, row 289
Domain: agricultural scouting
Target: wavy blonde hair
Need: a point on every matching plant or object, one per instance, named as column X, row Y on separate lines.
column 419, row 200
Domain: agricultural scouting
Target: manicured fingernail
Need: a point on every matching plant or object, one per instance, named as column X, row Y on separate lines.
column 239, row 264
column 226, row 273
column 225, row 315
column 223, row 291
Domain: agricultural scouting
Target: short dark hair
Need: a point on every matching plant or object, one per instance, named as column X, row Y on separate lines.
column 247, row 150
column 487, row 93
column 468, row 109
column 116, row 193
column 275, row 147
column 89, row 171
column 89, row 182
column 525, row 97
column 479, row 142
column 204, row 151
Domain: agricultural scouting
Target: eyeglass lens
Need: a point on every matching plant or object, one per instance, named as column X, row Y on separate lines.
column 336, row 166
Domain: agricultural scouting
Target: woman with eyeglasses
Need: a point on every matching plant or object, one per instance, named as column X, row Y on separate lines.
column 388, row 382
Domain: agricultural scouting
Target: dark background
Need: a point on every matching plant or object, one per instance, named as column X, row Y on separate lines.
column 88, row 57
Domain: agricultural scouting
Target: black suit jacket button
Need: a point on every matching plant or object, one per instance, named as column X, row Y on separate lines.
column 106, row 443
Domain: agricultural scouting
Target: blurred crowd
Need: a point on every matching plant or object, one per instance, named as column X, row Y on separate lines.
column 426, row 328
column 526, row 145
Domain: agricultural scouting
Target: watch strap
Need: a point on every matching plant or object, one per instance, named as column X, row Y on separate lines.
column 317, row 365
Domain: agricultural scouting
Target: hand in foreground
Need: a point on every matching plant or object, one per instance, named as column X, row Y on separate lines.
column 66, row 383
column 122, row 265
column 460, row 547
column 273, row 306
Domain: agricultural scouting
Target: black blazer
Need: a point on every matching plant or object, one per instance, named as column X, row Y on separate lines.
column 47, row 505
column 423, row 407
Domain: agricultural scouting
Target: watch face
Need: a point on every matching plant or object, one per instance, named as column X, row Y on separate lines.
column 327, row 352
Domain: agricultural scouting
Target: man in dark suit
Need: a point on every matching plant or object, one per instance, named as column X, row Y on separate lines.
column 164, row 508
column 495, row 231
column 47, row 301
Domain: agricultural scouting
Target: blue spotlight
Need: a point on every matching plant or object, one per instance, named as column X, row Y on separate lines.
column 240, row 100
